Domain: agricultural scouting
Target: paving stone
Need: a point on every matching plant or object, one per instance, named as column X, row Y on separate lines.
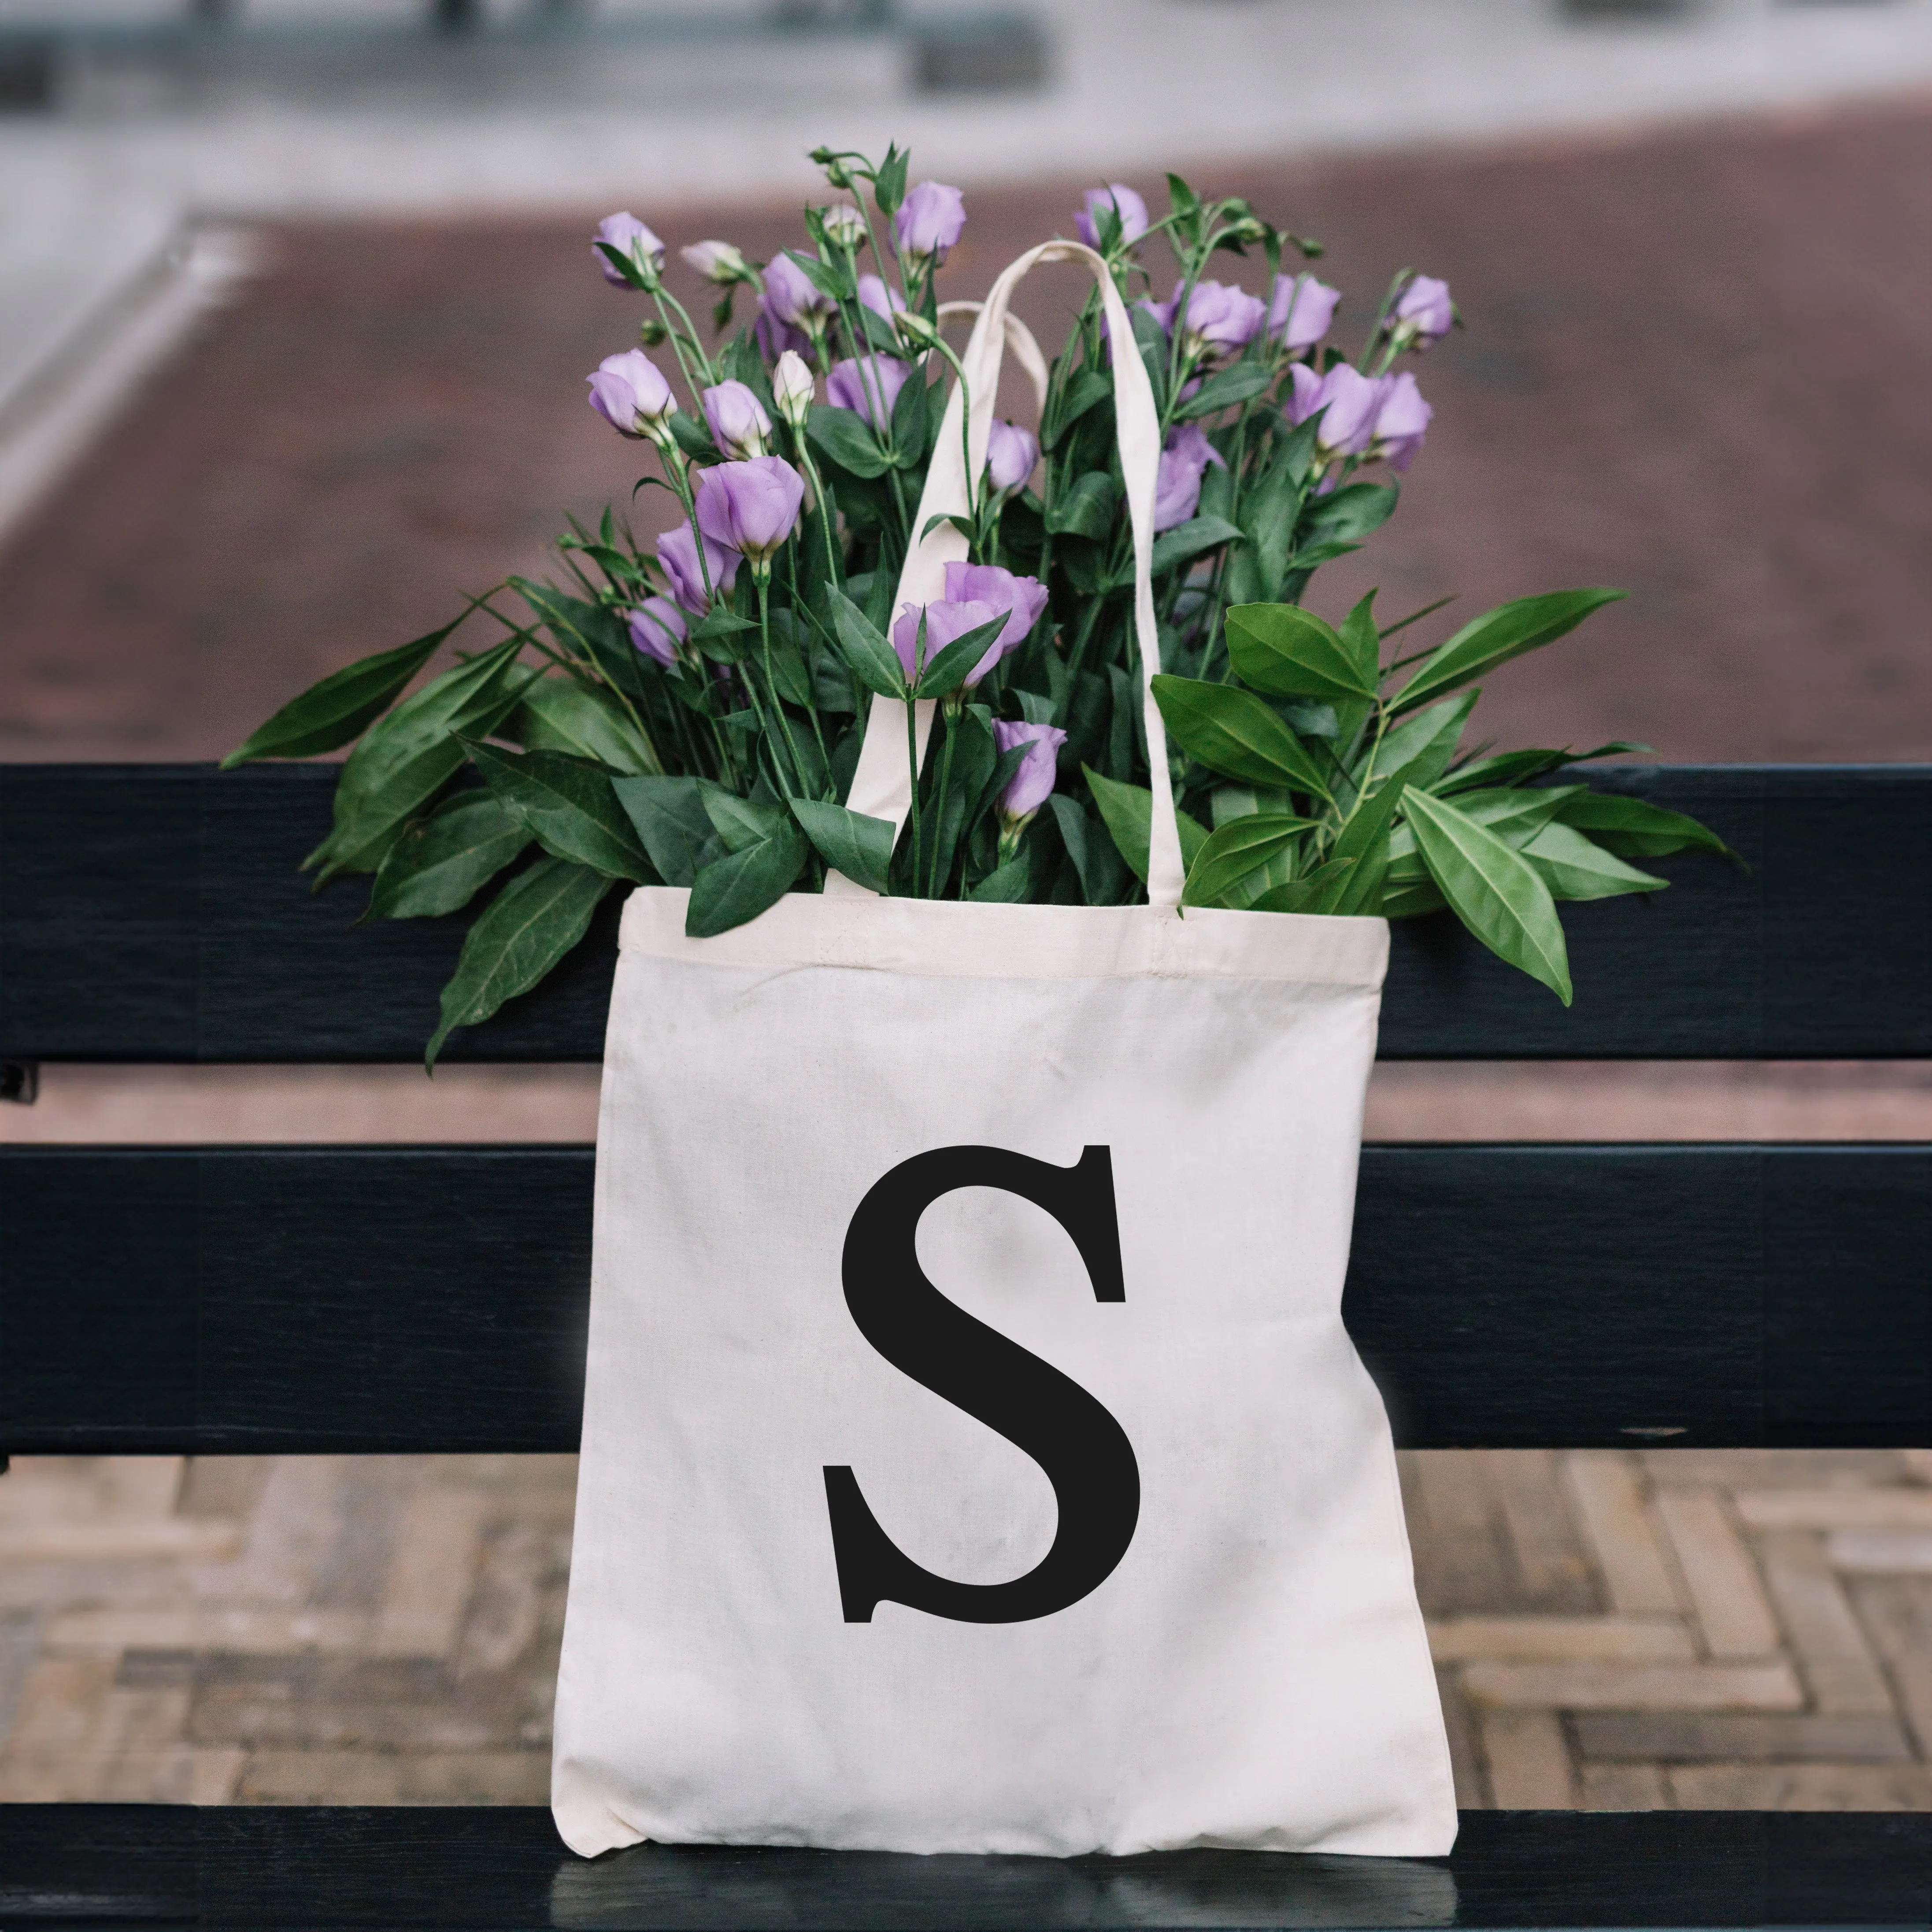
column 1742, row 1736
column 1556, row 1574
column 1801, row 1787
column 1846, row 1507
column 1612, row 1686
column 1529, row 1760
column 1887, row 1552
column 1622, row 1787
column 1624, row 1640
column 1465, row 1750
column 208, row 1627
column 1837, row 1662
column 1897, row 1613
column 115, row 1540
column 61, row 1734
column 430, row 1573
column 1726, row 1592
column 1608, row 1490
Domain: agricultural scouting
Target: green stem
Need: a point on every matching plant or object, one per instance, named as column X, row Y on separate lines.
column 761, row 576
column 952, row 709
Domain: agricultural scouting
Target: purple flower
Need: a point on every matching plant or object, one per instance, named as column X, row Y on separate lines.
column 1425, row 313
column 947, row 620
column 1222, row 319
column 1402, row 423
column 1177, row 489
column 629, row 237
column 775, row 337
column 1032, row 785
column 875, row 296
column 717, row 262
column 753, row 506
column 1011, row 454
column 1120, row 198
column 677, row 553
column 1023, row 599
column 791, row 296
column 738, row 421
column 1352, row 401
column 1301, row 311
column 630, row 393
column 930, row 221
column 657, row 628
column 868, row 385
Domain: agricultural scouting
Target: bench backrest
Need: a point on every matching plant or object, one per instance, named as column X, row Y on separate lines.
column 343, row 1299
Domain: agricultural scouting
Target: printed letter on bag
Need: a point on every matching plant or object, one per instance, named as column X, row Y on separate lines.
column 1080, row 1448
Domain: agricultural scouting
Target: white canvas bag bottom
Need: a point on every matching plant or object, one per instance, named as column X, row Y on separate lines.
column 974, row 1459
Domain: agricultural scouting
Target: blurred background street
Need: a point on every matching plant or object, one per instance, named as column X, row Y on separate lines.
column 296, row 301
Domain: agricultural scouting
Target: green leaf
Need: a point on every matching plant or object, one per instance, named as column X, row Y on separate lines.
column 558, row 714
column 1098, row 866
column 1412, row 902
column 1069, row 404
column 736, row 888
column 693, row 437
column 440, row 862
column 1499, row 635
column 1286, row 651
column 873, row 661
column 1514, row 814
column 1348, row 515
column 588, row 631
column 1366, row 838
column 1127, row 812
column 1010, row 885
column 909, row 420
column 848, row 841
column 742, row 823
column 568, row 806
column 1086, row 510
column 1428, row 741
column 1498, row 895
column 844, row 435
column 1234, row 733
column 1186, row 541
column 1364, row 641
column 827, row 277
column 1244, row 381
column 1236, row 852
column 671, row 819
column 946, row 671
column 1634, row 829
column 406, row 758
column 327, row 715
column 1574, row 867
column 889, row 184
column 1316, row 893
column 523, row 932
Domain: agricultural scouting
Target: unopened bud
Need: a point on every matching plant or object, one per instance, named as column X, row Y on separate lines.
column 792, row 388
column 836, row 171
column 915, row 331
column 844, row 226
column 717, row 262
column 651, row 332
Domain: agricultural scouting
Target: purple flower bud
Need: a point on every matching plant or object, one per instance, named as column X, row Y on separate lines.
column 930, row 221
column 1132, row 211
column 751, row 506
column 677, row 552
column 947, row 620
column 879, row 299
column 791, row 295
column 630, row 237
column 1302, row 308
column 868, row 386
column 1402, row 423
column 1351, row 400
column 1011, row 454
column 1177, row 489
column 1023, row 599
column 738, row 421
column 630, row 393
column 1425, row 313
column 775, row 337
column 657, row 628
column 1032, row 785
column 1222, row 319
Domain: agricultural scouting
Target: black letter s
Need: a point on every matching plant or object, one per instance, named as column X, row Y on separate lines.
column 1083, row 1450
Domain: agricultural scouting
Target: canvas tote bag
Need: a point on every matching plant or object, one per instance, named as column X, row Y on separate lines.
column 973, row 1459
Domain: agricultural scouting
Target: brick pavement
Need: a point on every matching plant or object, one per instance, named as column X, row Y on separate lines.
column 1614, row 1631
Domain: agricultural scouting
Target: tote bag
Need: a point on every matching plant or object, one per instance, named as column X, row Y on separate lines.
column 974, row 1457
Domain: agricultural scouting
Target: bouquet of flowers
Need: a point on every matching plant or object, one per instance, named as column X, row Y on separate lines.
column 692, row 715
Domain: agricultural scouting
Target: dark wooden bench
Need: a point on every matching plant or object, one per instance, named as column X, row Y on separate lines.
column 204, row 1300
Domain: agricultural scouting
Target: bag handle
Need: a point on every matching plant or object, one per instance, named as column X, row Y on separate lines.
column 881, row 785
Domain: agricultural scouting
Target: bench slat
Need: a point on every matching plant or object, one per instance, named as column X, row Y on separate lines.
column 266, row 1867
column 344, row 1299
column 154, row 914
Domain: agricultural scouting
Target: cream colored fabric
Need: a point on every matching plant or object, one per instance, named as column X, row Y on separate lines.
column 881, row 786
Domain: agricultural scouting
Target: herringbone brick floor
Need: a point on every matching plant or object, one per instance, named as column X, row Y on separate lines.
column 1614, row 1631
